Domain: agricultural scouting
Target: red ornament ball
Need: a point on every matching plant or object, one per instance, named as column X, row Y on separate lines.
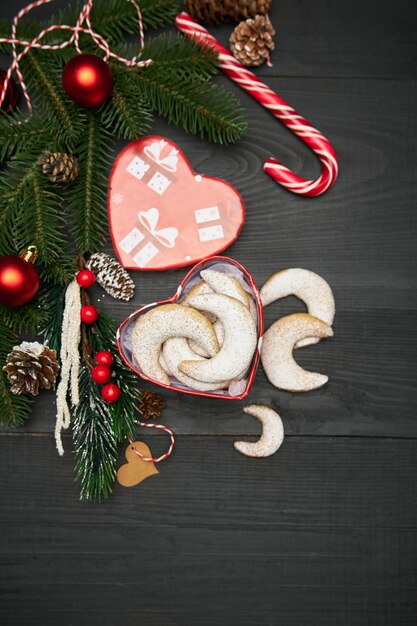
column 89, row 314
column 110, row 393
column 85, row 279
column 87, row 80
column 101, row 374
column 104, row 358
column 19, row 281
column 10, row 99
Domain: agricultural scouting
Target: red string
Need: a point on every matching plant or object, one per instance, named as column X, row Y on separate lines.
column 83, row 18
column 163, row 456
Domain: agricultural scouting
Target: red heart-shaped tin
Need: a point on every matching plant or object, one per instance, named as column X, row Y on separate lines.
column 162, row 214
column 218, row 263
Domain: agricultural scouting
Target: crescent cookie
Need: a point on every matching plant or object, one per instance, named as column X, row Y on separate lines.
column 277, row 347
column 197, row 290
column 309, row 287
column 219, row 330
column 239, row 345
column 161, row 323
column 226, row 284
column 272, row 432
column 176, row 350
column 218, row 282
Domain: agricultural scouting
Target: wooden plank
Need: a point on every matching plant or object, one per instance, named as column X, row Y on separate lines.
column 324, row 39
column 335, row 40
column 323, row 532
column 360, row 237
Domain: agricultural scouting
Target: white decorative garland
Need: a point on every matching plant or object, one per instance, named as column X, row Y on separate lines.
column 70, row 361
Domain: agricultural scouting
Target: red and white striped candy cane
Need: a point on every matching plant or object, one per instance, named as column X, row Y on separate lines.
column 279, row 108
column 164, row 456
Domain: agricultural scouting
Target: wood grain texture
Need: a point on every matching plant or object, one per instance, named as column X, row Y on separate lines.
column 215, row 538
column 325, row 531
column 360, row 237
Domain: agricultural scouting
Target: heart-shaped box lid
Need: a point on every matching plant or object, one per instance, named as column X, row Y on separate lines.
column 162, row 214
column 219, row 263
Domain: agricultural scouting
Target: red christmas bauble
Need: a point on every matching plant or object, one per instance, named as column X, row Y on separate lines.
column 87, row 80
column 19, row 281
column 10, row 99
column 110, row 393
column 89, row 314
column 85, row 279
column 104, row 358
column 101, row 374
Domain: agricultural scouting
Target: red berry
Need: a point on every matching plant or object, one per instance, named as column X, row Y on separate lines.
column 101, row 374
column 85, row 278
column 89, row 314
column 104, row 358
column 110, row 393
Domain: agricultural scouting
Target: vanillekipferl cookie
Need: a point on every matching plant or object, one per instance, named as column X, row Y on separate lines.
column 239, row 345
column 277, row 352
column 309, row 287
column 161, row 323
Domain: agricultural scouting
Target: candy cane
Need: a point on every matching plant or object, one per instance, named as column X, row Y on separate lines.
column 279, row 108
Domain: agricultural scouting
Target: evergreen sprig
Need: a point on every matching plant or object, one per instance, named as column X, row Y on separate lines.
column 54, row 301
column 14, row 409
column 95, row 443
column 176, row 53
column 30, row 317
column 87, row 196
column 99, row 426
column 125, row 411
column 44, row 81
column 201, row 108
column 126, row 114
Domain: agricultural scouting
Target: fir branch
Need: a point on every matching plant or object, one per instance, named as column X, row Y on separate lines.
column 14, row 134
column 31, row 213
column 94, row 441
column 125, row 114
column 55, row 304
column 28, row 318
column 14, row 409
column 200, row 108
column 89, row 192
column 181, row 54
column 43, row 70
column 116, row 18
column 124, row 411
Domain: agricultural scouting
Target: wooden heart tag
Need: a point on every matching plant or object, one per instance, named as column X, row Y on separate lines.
column 136, row 469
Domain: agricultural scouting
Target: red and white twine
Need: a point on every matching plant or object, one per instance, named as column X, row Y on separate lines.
column 163, row 456
column 277, row 107
column 83, row 25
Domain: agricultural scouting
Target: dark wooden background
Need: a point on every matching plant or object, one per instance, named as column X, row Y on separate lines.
column 324, row 532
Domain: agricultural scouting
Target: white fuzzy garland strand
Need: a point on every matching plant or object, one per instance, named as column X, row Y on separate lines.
column 70, row 361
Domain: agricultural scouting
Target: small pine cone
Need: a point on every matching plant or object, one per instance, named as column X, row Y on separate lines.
column 111, row 276
column 59, row 167
column 151, row 405
column 220, row 11
column 251, row 41
column 30, row 367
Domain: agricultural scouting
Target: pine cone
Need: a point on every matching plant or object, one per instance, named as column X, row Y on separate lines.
column 59, row 167
column 151, row 405
column 251, row 41
column 220, row 11
column 30, row 367
column 111, row 276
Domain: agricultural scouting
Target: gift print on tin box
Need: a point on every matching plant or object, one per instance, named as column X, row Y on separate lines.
column 162, row 214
